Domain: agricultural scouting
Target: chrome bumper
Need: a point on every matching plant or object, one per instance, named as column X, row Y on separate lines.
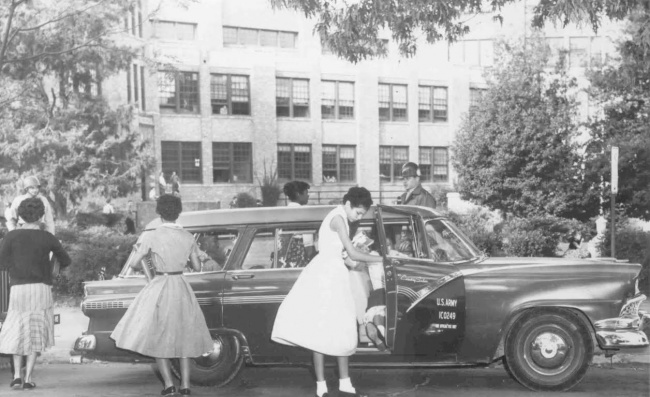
column 625, row 331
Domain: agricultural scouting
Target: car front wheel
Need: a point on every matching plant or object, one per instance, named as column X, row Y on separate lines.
column 548, row 350
column 216, row 368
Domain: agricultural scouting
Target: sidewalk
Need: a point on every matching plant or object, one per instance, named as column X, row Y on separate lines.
column 74, row 323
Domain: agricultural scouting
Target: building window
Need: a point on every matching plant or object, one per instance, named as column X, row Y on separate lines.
column 339, row 163
column 135, row 86
column 229, row 94
column 184, row 158
column 178, row 91
column 169, row 30
column 391, row 159
column 434, row 164
column 472, row 52
column 476, row 96
column 294, row 161
column 337, row 100
column 133, row 20
column 232, row 162
column 432, row 103
column 392, row 102
column 291, row 97
column 233, row 35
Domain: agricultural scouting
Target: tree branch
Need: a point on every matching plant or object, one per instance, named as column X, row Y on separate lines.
column 60, row 18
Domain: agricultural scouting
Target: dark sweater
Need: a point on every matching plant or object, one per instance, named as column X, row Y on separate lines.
column 25, row 253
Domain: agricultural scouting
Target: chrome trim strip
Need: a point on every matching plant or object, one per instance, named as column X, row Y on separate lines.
column 617, row 339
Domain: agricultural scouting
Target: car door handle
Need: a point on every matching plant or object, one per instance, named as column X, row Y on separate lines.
column 242, row 276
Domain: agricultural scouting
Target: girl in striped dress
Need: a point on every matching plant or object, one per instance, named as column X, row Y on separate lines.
column 29, row 327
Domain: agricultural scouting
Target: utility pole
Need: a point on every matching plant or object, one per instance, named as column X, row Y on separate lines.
column 613, row 196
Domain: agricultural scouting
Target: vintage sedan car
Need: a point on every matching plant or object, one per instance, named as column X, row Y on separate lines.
column 446, row 303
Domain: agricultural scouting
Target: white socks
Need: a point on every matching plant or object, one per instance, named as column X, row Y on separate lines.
column 346, row 386
column 321, row 388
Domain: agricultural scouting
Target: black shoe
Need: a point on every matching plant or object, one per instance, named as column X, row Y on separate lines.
column 375, row 336
column 170, row 391
column 357, row 394
column 16, row 384
column 185, row 392
column 29, row 385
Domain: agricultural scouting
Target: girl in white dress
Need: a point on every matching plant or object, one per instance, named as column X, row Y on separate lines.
column 319, row 311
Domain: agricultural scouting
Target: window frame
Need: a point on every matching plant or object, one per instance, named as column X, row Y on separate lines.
column 231, row 161
column 395, row 171
column 337, row 106
column 474, row 99
column 432, row 104
column 229, row 90
column 178, row 167
column 291, row 98
column 258, row 33
column 391, row 104
column 338, row 163
column 293, row 162
column 432, row 163
column 174, row 24
column 176, row 108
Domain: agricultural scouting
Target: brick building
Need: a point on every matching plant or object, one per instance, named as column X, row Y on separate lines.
column 240, row 88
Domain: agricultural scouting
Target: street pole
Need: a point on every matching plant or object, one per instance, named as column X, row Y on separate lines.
column 613, row 196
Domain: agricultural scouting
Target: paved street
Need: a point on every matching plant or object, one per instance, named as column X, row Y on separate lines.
column 101, row 379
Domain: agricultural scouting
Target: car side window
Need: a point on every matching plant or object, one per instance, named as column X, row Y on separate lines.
column 401, row 241
column 215, row 247
column 278, row 248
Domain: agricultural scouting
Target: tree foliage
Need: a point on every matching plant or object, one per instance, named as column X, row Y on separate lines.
column 54, row 56
column 622, row 89
column 351, row 28
column 514, row 152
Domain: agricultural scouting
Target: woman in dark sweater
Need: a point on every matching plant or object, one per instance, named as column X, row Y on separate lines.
column 29, row 327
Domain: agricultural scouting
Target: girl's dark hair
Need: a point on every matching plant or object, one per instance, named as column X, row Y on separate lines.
column 293, row 188
column 169, row 207
column 31, row 209
column 358, row 196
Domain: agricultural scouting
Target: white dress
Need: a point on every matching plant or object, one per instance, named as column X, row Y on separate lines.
column 319, row 311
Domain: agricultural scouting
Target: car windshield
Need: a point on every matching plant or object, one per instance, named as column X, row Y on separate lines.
column 447, row 243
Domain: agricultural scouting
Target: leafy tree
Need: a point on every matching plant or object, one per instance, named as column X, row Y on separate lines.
column 622, row 89
column 514, row 152
column 53, row 121
column 351, row 27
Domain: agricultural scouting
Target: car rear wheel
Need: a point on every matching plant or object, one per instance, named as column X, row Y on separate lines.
column 548, row 350
column 218, row 367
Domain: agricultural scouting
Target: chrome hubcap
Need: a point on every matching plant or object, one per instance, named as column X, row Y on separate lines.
column 548, row 352
column 214, row 357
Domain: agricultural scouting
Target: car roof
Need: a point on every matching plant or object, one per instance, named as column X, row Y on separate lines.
column 261, row 215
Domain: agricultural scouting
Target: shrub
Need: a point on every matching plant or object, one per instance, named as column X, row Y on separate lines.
column 245, row 200
column 88, row 219
column 535, row 236
column 439, row 192
column 269, row 187
column 634, row 244
column 93, row 251
column 479, row 225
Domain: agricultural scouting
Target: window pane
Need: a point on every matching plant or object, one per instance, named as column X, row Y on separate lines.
column 220, row 162
column 579, row 48
column 240, row 90
column 328, row 99
column 399, row 102
column 384, row 102
column 185, row 31
column 424, row 103
column 284, row 162
column 167, row 89
column 440, row 160
column 472, row 52
column 300, row 98
column 282, row 97
column 219, row 93
column 170, row 156
column 440, row 103
column 400, row 156
column 165, row 30
column 556, row 46
column 268, row 38
column 426, row 162
column 302, row 162
column 348, row 163
column 191, row 162
column 229, row 35
column 287, row 39
column 189, row 91
column 385, row 156
column 346, row 100
column 247, row 36
column 242, row 162
column 329, row 164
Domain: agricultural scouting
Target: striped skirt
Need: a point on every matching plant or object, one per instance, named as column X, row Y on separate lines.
column 29, row 326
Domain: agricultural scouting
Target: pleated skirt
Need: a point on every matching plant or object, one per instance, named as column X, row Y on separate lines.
column 29, row 326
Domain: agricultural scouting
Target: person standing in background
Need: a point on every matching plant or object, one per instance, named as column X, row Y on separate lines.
column 31, row 186
column 162, row 183
column 176, row 184
column 108, row 207
column 415, row 194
